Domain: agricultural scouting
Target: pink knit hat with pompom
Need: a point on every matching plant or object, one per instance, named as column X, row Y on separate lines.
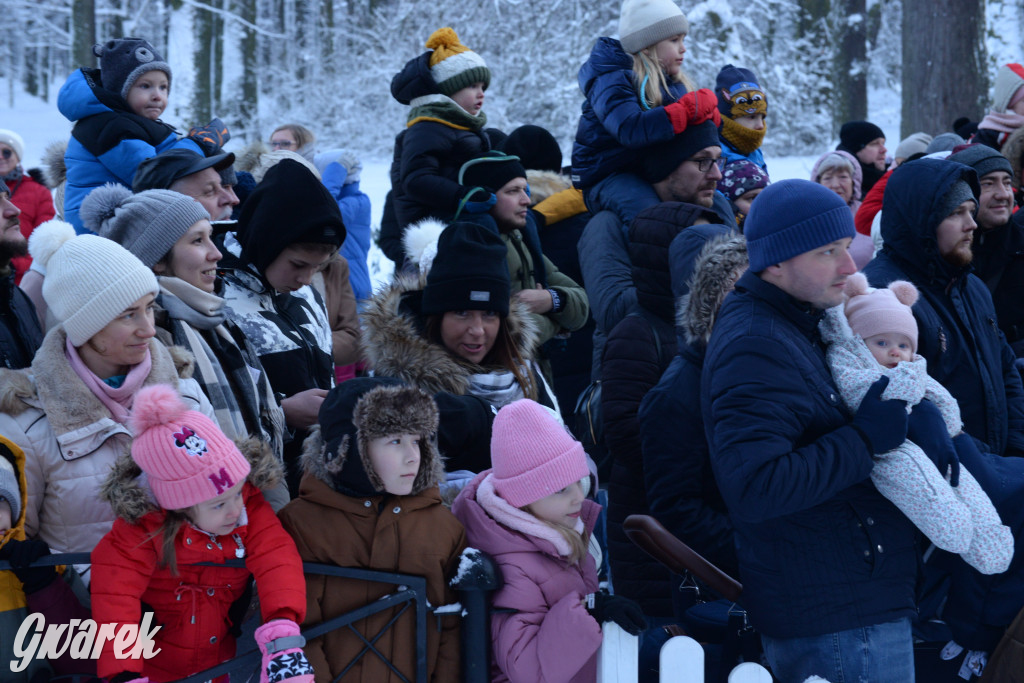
column 186, row 457
column 532, row 453
column 878, row 311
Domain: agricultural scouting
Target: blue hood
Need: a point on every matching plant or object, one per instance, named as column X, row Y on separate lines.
column 82, row 96
column 606, row 57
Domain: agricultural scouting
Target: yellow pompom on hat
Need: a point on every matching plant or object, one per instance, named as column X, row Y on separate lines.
column 453, row 65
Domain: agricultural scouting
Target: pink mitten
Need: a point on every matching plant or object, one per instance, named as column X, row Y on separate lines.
column 283, row 658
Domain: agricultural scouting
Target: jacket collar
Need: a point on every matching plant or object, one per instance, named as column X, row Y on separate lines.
column 800, row 313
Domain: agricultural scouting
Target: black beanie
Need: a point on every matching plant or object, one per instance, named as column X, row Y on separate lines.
column 287, row 207
column 491, row 171
column 660, row 160
column 536, row 147
column 470, row 272
column 855, row 135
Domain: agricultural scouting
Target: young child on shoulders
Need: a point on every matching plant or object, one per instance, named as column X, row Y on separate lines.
column 116, row 110
column 529, row 512
column 369, row 498
column 444, row 129
column 208, row 509
column 875, row 335
column 743, row 106
column 637, row 95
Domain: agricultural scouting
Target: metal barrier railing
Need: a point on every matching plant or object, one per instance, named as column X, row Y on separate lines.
column 476, row 580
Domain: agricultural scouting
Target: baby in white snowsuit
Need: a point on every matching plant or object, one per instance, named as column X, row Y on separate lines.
column 875, row 334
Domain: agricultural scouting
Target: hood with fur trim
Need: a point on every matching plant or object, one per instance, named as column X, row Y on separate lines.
column 1013, row 149
column 713, row 278
column 132, row 501
column 395, row 346
column 544, row 184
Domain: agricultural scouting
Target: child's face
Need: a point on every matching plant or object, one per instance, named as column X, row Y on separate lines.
column 220, row 515
column 751, row 121
column 396, row 460
column 743, row 201
column 295, row 267
column 148, row 95
column 470, row 98
column 669, row 53
column 890, row 348
column 5, row 517
column 561, row 507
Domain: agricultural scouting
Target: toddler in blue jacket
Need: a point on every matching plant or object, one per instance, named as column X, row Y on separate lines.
column 116, row 110
column 636, row 96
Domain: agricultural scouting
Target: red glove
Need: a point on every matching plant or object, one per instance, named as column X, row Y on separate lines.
column 693, row 107
column 283, row 659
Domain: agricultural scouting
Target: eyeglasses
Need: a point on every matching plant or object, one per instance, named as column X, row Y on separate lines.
column 704, row 164
column 278, row 144
column 6, row 153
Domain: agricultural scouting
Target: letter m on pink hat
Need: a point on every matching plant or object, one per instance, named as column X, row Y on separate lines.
column 221, row 480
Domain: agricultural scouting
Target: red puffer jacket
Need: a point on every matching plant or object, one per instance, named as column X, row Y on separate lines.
column 36, row 204
column 191, row 607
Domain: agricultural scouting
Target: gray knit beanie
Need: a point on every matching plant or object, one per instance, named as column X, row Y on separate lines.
column 9, row 489
column 983, row 159
column 915, row 143
column 89, row 281
column 147, row 224
column 643, row 23
column 123, row 60
column 958, row 193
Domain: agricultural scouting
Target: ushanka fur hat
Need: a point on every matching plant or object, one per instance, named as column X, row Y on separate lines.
column 363, row 409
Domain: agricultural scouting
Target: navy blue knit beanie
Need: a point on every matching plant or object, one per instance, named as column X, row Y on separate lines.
column 791, row 217
column 733, row 79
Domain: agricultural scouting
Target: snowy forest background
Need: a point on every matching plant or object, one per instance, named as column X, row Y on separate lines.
column 328, row 63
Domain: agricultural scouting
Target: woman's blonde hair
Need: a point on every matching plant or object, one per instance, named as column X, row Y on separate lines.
column 650, row 80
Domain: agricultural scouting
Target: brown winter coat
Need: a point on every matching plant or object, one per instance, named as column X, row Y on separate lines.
column 412, row 534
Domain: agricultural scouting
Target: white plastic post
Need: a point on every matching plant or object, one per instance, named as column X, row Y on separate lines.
column 618, row 657
column 749, row 672
column 681, row 661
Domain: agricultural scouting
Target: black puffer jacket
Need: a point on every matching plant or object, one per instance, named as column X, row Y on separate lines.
column 999, row 262
column 637, row 353
column 20, row 333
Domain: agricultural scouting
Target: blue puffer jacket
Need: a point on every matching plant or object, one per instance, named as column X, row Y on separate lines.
column 819, row 549
column 957, row 330
column 355, row 212
column 108, row 142
column 730, row 154
column 614, row 125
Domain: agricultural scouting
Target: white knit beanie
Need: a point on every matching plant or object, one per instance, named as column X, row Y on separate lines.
column 642, row 23
column 90, row 279
column 14, row 141
column 1009, row 79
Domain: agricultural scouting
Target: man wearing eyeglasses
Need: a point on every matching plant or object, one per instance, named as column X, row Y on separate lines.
column 688, row 168
column 20, row 332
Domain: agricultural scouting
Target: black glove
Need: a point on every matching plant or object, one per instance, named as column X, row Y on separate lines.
column 23, row 553
column 928, row 430
column 606, row 607
column 883, row 422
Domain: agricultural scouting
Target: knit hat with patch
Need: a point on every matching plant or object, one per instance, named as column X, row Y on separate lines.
column 983, row 159
column 532, row 454
column 147, row 224
column 740, row 177
column 642, row 23
column 14, row 141
column 880, row 311
column 9, row 489
column 739, row 93
column 791, row 217
column 186, row 457
column 855, row 135
column 491, row 171
column 89, row 280
column 469, row 272
column 123, row 60
column 1007, row 90
column 453, row 65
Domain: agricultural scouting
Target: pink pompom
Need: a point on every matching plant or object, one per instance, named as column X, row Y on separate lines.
column 155, row 405
column 856, row 285
column 905, row 292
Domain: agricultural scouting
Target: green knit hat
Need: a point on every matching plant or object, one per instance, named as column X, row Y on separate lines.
column 453, row 65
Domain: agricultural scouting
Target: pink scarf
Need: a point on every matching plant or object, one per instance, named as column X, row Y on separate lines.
column 118, row 401
column 1004, row 123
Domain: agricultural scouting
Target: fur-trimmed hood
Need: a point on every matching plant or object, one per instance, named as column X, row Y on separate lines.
column 249, row 157
column 544, row 184
column 132, row 500
column 54, row 169
column 1013, row 149
column 359, row 411
column 395, row 345
column 714, row 274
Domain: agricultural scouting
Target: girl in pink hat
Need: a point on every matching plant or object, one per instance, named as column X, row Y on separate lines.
column 208, row 509
column 529, row 512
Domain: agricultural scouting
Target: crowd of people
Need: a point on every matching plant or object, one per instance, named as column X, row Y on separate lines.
column 813, row 383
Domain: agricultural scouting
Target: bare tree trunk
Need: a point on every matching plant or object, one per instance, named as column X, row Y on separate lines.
column 202, row 64
column 850, row 68
column 83, row 32
column 944, row 76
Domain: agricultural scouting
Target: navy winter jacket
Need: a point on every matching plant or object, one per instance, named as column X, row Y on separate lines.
column 819, row 549
column 614, row 125
column 957, row 329
column 108, row 141
column 20, row 332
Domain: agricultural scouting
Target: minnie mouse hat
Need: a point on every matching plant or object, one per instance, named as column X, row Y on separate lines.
column 186, row 457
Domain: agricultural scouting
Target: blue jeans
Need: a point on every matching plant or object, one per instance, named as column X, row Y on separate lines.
column 883, row 653
column 624, row 194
